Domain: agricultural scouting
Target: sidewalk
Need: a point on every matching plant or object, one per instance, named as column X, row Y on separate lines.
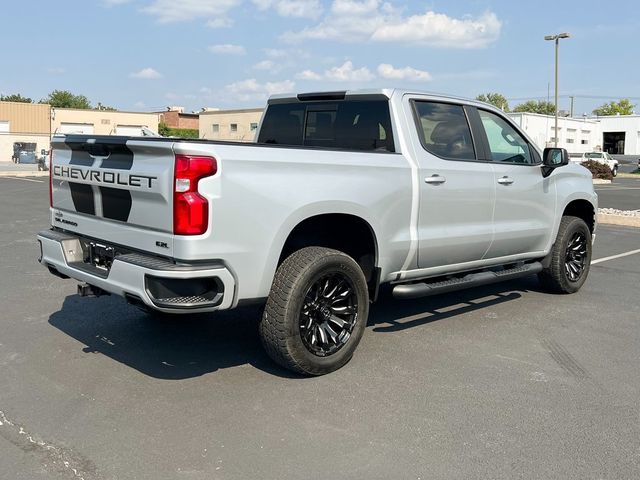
column 10, row 169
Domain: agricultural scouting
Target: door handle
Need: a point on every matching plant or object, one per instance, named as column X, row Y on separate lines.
column 505, row 180
column 435, row 179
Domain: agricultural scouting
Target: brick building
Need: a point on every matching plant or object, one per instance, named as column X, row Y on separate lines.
column 175, row 117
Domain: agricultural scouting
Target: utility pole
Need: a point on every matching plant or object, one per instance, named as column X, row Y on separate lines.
column 556, row 38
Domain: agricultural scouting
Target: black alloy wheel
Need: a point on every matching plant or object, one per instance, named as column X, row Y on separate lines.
column 575, row 256
column 316, row 312
column 328, row 315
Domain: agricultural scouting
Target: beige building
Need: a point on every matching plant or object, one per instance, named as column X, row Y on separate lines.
column 23, row 122
column 102, row 122
column 34, row 123
column 234, row 125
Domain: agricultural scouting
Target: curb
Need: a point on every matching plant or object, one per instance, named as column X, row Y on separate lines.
column 623, row 220
column 24, row 174
column 600, row 181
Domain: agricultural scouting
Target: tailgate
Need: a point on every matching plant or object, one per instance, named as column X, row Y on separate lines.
column 116, row 189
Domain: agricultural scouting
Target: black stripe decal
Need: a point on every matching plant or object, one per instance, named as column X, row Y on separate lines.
column 116, row 203
column 82, row 196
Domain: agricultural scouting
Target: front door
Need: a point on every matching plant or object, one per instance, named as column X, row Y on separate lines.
column 525, row 200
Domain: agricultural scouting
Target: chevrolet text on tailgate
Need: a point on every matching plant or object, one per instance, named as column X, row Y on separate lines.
column 341, row 192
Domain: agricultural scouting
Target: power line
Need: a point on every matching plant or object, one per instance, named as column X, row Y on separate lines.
column 591, row 97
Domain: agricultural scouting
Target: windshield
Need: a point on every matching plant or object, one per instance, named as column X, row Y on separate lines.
column 593, row 155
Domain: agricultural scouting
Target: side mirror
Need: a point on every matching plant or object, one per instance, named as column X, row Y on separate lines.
column 553, row 158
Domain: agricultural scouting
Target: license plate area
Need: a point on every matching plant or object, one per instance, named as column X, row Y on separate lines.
column 100, row 256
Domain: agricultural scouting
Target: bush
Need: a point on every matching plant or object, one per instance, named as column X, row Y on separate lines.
column 167, row 131
column 598, row 170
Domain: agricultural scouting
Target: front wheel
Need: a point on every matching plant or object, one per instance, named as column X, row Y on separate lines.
column 614, row 172
column 316, row 312
column 570, row 257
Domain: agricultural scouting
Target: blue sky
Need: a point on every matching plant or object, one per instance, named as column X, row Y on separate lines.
column 148, row 54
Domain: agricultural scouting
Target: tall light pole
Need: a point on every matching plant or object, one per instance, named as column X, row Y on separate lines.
column 556, row 38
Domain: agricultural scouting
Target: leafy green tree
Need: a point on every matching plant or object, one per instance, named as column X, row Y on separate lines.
column 495, row 99
column 66, row 99
column 15, row 97
column 621, row 107
column 536, row 106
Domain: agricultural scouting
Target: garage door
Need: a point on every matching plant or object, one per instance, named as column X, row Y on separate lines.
column 78, row 128
column 129, row 130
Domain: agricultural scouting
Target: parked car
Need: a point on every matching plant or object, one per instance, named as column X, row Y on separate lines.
column 600, row 157
column 340, row 193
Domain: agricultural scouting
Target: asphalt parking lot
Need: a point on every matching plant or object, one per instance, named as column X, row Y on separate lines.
column 621, row 193
column 500, row 382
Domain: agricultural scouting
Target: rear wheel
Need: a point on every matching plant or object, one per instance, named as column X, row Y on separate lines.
column 316, row 312
column 570, row 257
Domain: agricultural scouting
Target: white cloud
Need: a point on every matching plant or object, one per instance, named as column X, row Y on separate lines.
column 146, row 74
column 292, row 8
column 344, row 73
column 114, row 3
column 227, row 49
column 265, row 65
column 276, row 52
column 439, row 30
column 167, row 11
column 268, row 66
column 388, row 71
column 220, row 22
column 372, row 20
column 252, row 90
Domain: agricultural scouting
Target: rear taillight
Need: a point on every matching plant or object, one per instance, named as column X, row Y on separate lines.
column 190, row 209
column 50, row 177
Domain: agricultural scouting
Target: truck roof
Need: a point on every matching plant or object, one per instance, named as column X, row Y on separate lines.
column 367, row 92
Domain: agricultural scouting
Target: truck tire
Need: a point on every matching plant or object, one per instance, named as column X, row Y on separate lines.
column 316, row 312
column 570, row 257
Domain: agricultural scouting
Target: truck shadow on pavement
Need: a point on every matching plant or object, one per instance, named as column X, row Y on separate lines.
column 181, row 347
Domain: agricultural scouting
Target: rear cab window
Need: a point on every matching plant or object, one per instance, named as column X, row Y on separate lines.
column 351, row 124
column 444, row 130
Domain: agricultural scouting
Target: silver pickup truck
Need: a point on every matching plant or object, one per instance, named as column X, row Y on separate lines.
column 341, row 192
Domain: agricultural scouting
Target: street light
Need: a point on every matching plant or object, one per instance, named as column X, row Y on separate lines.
column 556, row 38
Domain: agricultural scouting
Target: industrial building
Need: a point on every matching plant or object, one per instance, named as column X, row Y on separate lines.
column 175, row 117
column 233, row 125
column 27, row 123
column 35, row 123
column 617, row 135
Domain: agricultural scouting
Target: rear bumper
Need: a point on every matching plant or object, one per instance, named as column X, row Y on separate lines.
column 158, row 283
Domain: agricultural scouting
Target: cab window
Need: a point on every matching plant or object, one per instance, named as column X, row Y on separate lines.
column 444, row 130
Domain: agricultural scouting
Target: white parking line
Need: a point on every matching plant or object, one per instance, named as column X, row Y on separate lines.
column 26, row 179
column 613, row 257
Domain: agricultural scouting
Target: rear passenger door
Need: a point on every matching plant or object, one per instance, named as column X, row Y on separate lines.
column 456, row 186
column 525, row 200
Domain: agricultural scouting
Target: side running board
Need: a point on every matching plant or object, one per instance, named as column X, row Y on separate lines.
column 425, row 289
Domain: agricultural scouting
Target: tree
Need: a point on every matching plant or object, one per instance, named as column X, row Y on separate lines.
column 495, row 99
column 621, row 107
column 536, row 106
column 15, row 97
column 66, row 99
